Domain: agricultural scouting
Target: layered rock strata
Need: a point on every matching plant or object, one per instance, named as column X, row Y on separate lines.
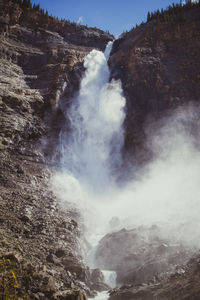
column 41, row 249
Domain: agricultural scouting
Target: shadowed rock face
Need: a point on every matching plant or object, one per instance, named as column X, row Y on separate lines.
column 184, row 285
column 159, row 69
column 40, row 62
column 158, row 65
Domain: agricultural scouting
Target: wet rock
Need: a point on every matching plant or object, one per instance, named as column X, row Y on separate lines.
column 70, row 295
column 100, row 286
column 181, row 286
column 98, row 281
column 97, row 275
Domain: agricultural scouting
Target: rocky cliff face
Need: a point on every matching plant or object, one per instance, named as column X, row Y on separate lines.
column 40, row 56
column 40, row 68
column 40, row 252
column 158, row 65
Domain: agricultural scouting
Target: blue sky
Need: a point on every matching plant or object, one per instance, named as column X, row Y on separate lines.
column 113, row 15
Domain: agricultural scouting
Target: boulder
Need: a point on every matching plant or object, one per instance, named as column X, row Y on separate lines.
column 98, row 281
column 138, row 255
column 180, row 285
column 70, row 295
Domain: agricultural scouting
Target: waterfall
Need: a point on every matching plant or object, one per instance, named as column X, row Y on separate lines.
column 166, row 191
column 90, row 148
column 101, row 296
column 95, row 120
column 90, row 145
column 110, row 278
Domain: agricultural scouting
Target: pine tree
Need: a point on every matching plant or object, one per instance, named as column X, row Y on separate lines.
column 37, row 7
column 29, row 4
column 148, row 17
column 19, row 2
column 173, row 13
column 25, row 3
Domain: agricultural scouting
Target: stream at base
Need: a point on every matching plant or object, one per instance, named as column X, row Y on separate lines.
column 101, row 296
column 110, row 279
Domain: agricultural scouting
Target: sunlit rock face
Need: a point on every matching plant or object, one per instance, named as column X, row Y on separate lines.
column 39, row 62
column 40, row 59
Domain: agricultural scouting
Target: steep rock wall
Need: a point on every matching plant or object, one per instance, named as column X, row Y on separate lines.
column 158, row 65
column 41, row 250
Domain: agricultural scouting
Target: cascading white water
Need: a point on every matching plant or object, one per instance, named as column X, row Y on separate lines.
column 91, row 148
column 101, row 296
column 95, row 117
column 91, row 153
column 110, row 277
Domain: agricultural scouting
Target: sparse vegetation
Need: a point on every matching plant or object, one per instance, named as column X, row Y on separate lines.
column 16, row 278
column 27, row 4
column 8, row 280
column 173, row 13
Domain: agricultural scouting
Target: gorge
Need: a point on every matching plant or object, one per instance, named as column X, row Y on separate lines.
column 99, row 159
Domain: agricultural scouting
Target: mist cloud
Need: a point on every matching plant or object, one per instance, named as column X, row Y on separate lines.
column 80, row 20
column 166, row 191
